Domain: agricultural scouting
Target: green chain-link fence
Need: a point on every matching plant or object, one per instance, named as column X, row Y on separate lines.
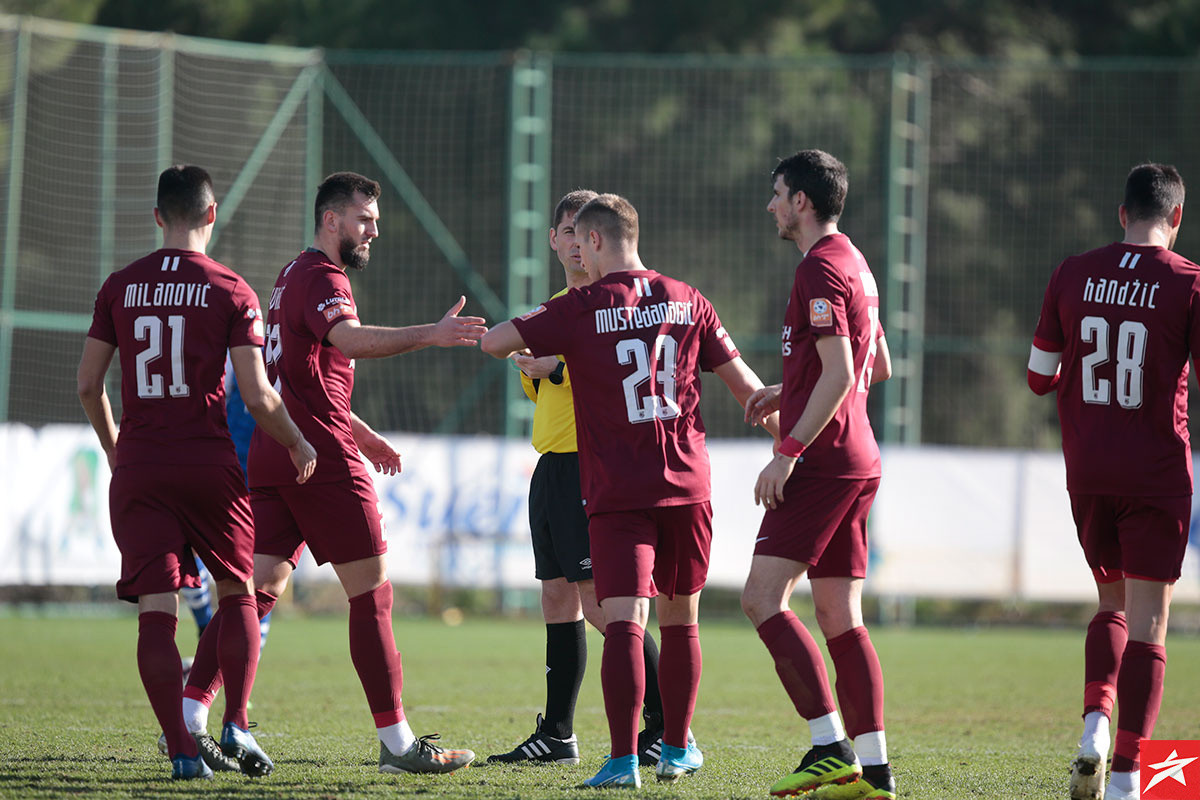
column 969, row 182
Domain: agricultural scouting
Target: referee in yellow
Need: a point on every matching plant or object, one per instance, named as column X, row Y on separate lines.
column 561, row 550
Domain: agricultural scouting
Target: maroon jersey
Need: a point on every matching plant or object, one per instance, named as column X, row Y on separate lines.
column 172, row 316
column 635, row 343
column 1125, row 318
column 834, row 294
column 314, row 378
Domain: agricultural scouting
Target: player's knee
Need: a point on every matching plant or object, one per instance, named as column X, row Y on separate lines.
column 757, row 606
column 560, row 601
column 833, row 619
column 226, row 588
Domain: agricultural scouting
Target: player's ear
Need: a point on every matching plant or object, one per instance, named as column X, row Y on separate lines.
column 554, row 240
column 1177, row 215
column 211, row 216
column 158, row 220
column 1121, row 215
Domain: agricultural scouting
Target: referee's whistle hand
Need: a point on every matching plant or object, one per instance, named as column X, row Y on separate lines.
column 536, row 368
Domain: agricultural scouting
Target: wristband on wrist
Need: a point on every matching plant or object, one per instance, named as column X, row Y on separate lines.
column 556, row 377
column 791, row 447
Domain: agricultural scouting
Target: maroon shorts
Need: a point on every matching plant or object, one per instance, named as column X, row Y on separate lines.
column 1132, row 537
column 640, row 553
column 821, row 522
column 161, row 514
column 340, row 521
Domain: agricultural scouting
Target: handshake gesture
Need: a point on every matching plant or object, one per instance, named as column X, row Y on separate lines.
column 455, row 331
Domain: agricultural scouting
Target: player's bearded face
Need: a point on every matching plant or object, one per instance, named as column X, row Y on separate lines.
column 358, row 225
column 353, row 250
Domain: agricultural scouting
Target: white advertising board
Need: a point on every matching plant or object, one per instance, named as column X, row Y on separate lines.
column 952, row 522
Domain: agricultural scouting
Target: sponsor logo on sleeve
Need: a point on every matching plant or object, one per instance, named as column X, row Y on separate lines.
column 723, row 336
column 532, row 313
column 257, row 328
column 820, row 313
column 335, row 307
column 1170, row 769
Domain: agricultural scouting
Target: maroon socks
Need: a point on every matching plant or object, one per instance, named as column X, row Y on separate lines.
column 1139, row 695
column 162, row 675
column 1106, row 638
column 238, row 646
column 679, row 667
column 799, row 664
column 373, row 651
column 623, row 677
column 859, row 681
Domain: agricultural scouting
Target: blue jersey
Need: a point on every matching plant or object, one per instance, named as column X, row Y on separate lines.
column 241, row 424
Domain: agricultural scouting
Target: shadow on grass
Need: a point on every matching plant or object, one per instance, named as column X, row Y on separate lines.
column 55, row 776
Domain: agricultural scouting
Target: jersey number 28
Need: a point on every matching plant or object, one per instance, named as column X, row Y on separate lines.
column 1131, row 356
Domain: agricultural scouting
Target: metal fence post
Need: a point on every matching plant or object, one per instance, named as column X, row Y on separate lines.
column 528, row 209
column 907, row 188
column 166, row 104
column 109, row 67
column 12, row 221
column 314, row 142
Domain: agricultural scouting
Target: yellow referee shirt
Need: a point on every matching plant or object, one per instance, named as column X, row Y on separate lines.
column 554, row 416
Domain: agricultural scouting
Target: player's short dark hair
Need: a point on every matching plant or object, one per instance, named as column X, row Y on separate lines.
column 570, row 203
column 184, row 194
column 338, row 190
column 821, row 177
column 612, row 215
column 1152, row 191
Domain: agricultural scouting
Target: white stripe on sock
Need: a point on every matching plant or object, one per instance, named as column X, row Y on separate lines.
column 398, row 738
column 195, row 715
column 827, row 729
column 871, row 748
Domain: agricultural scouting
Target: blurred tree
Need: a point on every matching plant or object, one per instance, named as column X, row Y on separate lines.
column 934, row 27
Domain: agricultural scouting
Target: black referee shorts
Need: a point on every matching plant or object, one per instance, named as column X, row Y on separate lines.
column 558, row 521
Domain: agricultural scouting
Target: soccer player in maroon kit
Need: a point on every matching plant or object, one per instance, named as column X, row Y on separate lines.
column 313, row 336
column 562, row 555
column 177, row 486
column 819, row 487
column 635, row 342
column 1117, row 328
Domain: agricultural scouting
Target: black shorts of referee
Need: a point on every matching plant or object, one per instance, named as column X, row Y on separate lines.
column 558, row 521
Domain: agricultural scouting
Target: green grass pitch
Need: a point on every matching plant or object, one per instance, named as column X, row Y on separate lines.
column 971, row 713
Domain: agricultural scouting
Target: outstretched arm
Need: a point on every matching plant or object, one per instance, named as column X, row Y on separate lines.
column 356, row 340
column 266, row 406
column 97, row 355
column 502, row 340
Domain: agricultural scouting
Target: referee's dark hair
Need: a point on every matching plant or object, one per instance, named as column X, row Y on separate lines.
column 184, row 194
column 1152, row 192
column 337, row 190
column 570, row 203
column 820, row 176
